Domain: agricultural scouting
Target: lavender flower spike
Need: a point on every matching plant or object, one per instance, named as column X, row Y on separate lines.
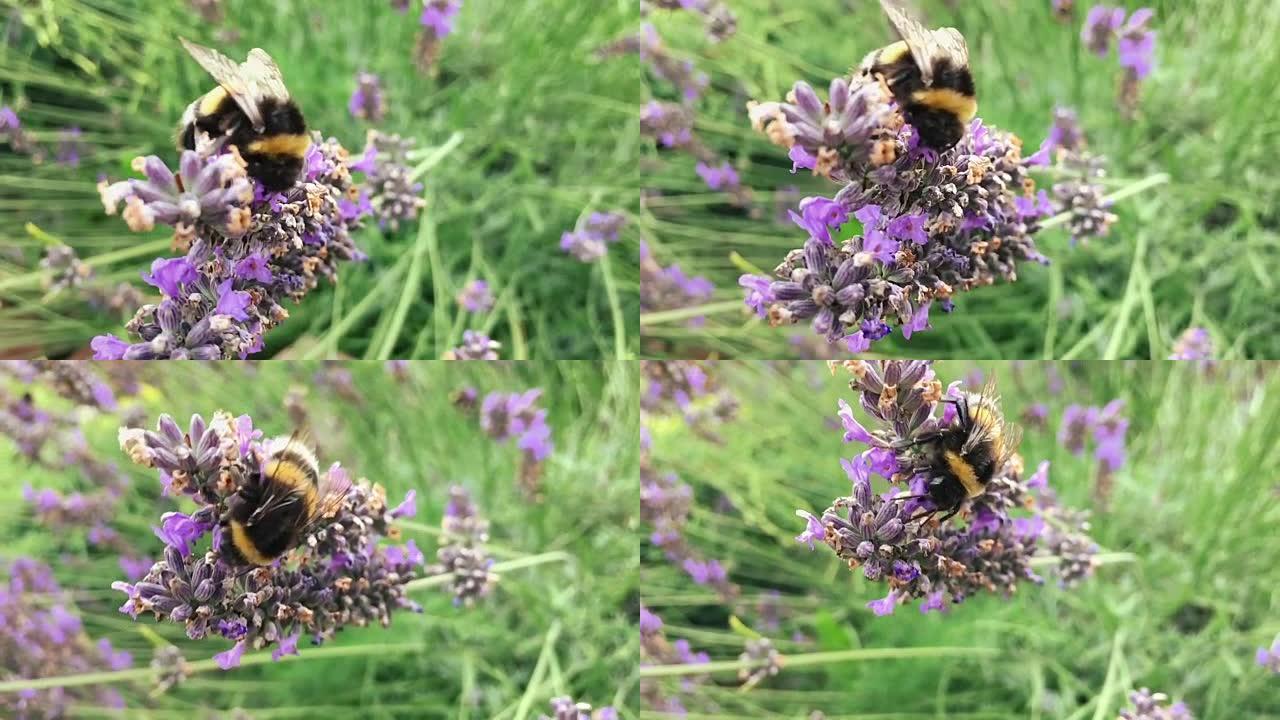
column 462, row 554
column 246, row 252
column 590, row 241
column 367, row 102
column 1146, row 705
column 475, row 346
column 1195, row 343
column 393, row 198
column 476, row 297
column 933, row 224
column 564, row 708
column 344, row 575
column 914, row 555
column 42, row 636
column 1269, row 658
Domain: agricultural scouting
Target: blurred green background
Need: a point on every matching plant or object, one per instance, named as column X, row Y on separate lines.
column 1189, row 588
column 1202, row 250
column 574, row 617
column 548, row 135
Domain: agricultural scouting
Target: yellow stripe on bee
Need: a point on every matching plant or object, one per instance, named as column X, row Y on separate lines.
column 964, row 473
column 291, row 145
column 946, row 99
column 296, row 476
column 240, row 539
column 212, row 99
column 890, row 54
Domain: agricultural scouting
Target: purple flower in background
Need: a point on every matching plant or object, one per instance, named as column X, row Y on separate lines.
column 591, row 239
column 42, row 636
column 19, row 141
column 655, row 649
column 508, row 416
column 70, row 147
column 1135, row 46
column 1195, row 343
column 670, row 288
column 437, row 16
column 1269, row 658
column 134, row 568
column 720, row 177
column 437, row 21
column 1146, row 705
column 708, row 572
column 721, row 24
column 476, row 297
column 462, row 553
column 393, row 195
column 564, row 708
column 367, row 102
column 683, row 387
column 1078, row 187
column 669, row 124
column 1108, row 429
column 475, row 346
column 1100, row 26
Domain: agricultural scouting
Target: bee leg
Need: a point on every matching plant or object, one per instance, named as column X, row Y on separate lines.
column 898, row 498
column 949, row 515
column 926, row 514
column 962, row 408
column 918, row 440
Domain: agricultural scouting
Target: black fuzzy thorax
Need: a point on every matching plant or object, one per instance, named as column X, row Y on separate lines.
column 275, row 530
column 279, row 117
column 939, row 129
column 945, row 488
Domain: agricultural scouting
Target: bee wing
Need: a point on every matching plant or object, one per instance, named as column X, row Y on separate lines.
column 981, row 429
column 1012, row 438
column 333, row 492
column 263, row 76
column 230, row 75
column 927, row 46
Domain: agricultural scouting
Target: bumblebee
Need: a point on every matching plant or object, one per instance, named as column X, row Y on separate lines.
column 964, row 456
column 251, row 110
column 275, row 507
column 928, row 73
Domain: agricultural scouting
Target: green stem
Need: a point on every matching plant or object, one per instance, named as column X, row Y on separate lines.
column 19, row 282
column 688, row 313
column 1144, row 184
column 261, row 658
column 332, row 651
column 435, row 156
column 499, row 568
column 818, row 658
column 1109, row 684
column 426, row 237
column 539, row 669
column 615, row 309
column 1100, row 559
